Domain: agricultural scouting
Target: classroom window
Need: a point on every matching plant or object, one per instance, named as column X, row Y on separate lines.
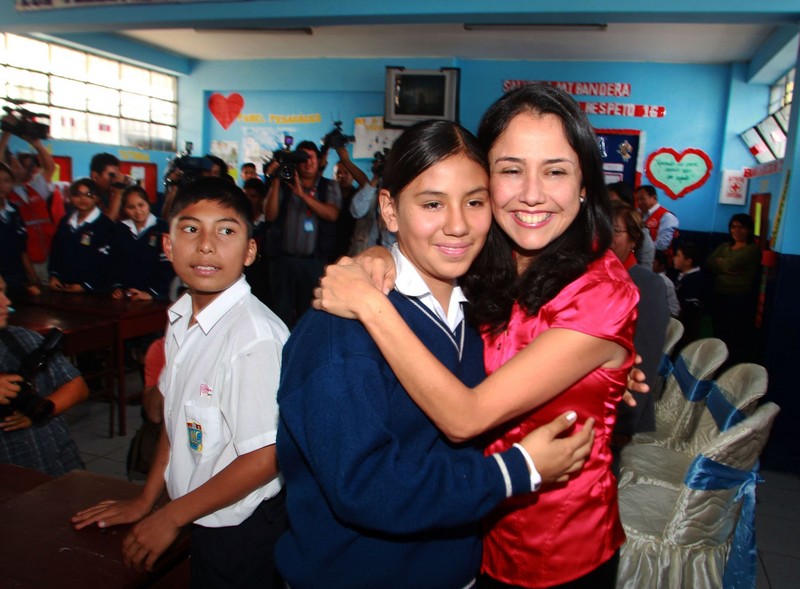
column 781, row 92
column 88, row 97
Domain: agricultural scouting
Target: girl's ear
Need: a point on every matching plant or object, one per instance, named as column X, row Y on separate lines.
column 388, row 209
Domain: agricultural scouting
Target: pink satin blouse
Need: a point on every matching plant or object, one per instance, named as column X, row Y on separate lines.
column 565, row 530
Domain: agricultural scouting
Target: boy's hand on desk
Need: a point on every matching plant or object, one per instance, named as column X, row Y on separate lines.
column 148, row 540
column 139, row 295
column 111, row 513
column 55, row 284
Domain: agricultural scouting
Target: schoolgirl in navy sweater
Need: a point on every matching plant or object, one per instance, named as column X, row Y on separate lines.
column 141, row 270
column 376, row 495
column 15, row 265
column 80, row 258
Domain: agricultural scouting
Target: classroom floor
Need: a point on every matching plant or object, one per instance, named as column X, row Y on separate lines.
column 777, row 508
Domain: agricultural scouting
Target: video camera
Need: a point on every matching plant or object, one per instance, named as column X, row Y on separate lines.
column 25, row 122
column 27, row 402
column 336, row 138
column 190, row 167
column 379, row 161
column 287, row 159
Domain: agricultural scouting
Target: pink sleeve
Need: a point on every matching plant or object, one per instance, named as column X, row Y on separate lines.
column 600, row 306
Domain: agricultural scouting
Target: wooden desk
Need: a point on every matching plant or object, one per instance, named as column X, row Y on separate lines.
column 42, row 549
column 82, row 333
column 131, row 319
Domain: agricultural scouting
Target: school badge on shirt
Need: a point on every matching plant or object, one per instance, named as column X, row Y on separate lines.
column 195, row 431
column 86, row 239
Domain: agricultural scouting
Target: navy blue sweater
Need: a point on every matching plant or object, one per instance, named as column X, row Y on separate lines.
column 13, row 243
column 376, row 495
column 83, row 255
column 139, row 261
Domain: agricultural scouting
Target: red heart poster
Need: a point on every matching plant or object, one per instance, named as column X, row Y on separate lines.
column 225, row 109
column 676, row 173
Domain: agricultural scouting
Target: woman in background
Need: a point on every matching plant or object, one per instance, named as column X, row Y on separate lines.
column 734, row 265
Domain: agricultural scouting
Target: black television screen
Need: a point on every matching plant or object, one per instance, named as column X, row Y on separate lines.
column 418, row 95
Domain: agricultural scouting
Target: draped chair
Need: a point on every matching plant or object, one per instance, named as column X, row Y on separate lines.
column 730, row 400
column 700, row 535
column 674, row 334
column 686, row 386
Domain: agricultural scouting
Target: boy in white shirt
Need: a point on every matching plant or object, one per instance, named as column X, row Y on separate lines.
column 216, row 456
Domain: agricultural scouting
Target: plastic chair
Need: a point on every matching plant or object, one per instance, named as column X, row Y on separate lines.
column 683, row 537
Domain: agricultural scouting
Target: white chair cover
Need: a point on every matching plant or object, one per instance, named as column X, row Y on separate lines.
column 676, row 416
column 674, row 334
column 731, row 400
column 682, row 537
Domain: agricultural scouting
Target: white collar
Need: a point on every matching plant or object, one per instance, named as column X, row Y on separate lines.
column 212, row 313
column 6, row 210
column 653, row 209
column 149, row 222
column 90, row 218
column 410, row 283
column 692, row 271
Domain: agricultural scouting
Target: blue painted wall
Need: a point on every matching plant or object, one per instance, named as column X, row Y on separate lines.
column 707, row 106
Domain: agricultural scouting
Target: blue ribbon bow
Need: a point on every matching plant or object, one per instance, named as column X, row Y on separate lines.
column 705, row 474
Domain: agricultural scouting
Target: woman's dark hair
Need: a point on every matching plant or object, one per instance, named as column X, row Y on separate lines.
column 745, row 221
column 631, row 218
column 88, row 183
column 218, row 190
column 138, row 191
column 493, row 284
column 623, row 191
column 424, row 145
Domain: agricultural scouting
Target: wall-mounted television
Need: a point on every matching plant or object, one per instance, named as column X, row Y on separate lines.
column 419, row 95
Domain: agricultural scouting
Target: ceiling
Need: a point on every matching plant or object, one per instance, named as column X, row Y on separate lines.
column 674, row 42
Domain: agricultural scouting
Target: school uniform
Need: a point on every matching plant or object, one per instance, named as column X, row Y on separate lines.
column 13, row 244
column 138, row 257
column 219, row 385
column 376, row 495
column 81, row 252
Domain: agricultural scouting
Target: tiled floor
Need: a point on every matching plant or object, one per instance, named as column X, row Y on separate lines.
column 777, row 510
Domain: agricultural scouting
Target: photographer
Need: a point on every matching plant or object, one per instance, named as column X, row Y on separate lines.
column 370, row 229
column 347, row 174
column 303, row 209
column 33, row 190
column 45, row 446
column 105, row 173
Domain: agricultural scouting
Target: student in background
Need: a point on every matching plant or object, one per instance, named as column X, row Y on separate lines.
column 216, row 456
column 80, row 260
column 691, row 288
column 142, row 271
column 15, row 264
column 257, row 273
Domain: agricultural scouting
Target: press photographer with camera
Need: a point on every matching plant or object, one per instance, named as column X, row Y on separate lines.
column 40, row 440
column 302, row 207
column 33, row 188
column 370, row 229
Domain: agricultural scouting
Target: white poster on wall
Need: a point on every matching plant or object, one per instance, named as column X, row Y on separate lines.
column 734, row 188
column 371, row 137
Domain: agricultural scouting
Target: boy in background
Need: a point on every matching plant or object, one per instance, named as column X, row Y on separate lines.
column 691, row 289
column 216, row 455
